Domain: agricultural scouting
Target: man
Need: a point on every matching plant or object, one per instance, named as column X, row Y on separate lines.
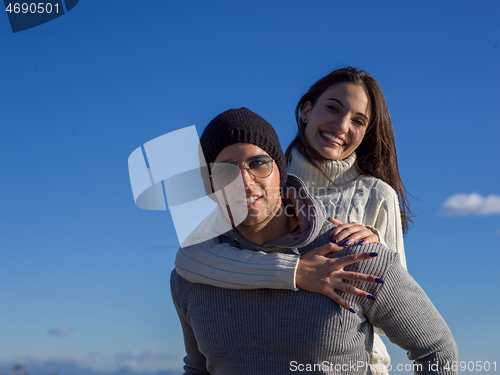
column 264, row 331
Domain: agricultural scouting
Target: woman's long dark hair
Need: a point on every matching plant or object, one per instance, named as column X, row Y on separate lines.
column 376, row 155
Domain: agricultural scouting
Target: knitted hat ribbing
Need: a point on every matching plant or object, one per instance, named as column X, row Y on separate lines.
column 242, row 126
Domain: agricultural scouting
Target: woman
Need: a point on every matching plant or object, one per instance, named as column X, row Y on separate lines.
column 350, row 160
column 345, row 153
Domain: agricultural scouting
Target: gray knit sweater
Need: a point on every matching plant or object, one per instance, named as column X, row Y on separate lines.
column 275, row 331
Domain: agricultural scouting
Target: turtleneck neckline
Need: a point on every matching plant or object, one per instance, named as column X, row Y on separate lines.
column 340, row 171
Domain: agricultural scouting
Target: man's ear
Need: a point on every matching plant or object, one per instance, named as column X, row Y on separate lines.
column 212, row 183
column 305, row 111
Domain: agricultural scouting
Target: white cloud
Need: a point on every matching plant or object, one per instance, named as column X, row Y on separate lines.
column 472, row 204
column 143, row 359
column 60, row 331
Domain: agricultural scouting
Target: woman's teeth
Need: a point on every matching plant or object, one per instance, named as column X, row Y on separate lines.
column 332, row 138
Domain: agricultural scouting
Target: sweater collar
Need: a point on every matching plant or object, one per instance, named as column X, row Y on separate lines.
column 340, row 171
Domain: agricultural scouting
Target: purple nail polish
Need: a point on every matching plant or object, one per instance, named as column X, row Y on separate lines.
column 373, row 254
column 369, row 296
column 362, row 242
column 380, row 281
column 352, row 310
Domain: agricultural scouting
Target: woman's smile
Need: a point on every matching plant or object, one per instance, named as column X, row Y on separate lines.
column 336, row 124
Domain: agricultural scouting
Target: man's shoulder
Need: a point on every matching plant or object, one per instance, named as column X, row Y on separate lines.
column 177, row 282
column 182, row 289
column 323, row 238
column 175, row 278
column 376, row 247
column 377, row 266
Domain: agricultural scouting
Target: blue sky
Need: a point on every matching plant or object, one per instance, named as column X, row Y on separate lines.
column 85, row 274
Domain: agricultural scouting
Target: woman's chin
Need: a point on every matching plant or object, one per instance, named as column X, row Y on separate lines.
column 330, row 153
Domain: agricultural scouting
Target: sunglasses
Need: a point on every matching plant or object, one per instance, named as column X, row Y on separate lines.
column 259, row 166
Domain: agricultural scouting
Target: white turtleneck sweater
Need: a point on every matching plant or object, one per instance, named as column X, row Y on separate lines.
column 354, row 198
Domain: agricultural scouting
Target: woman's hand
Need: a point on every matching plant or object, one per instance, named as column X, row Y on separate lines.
column 348, row 234
column 319, row 274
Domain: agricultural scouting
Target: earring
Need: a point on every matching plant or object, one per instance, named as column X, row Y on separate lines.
column 304, row 121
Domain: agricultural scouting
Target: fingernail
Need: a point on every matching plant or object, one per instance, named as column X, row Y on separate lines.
column 352, row 310
column 380, row 281
column 347, row 241
column 331, row 236
column 373, row 254
column 362, row 242
column 369, row 296
column 334, row 241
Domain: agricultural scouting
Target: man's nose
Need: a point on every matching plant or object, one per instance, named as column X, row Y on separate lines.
column 247, row 178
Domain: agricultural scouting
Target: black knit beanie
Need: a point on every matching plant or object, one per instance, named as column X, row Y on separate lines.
column 242, row 126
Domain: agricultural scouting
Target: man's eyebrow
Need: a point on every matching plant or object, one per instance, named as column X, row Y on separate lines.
column 240, row 161
column 342, row 105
